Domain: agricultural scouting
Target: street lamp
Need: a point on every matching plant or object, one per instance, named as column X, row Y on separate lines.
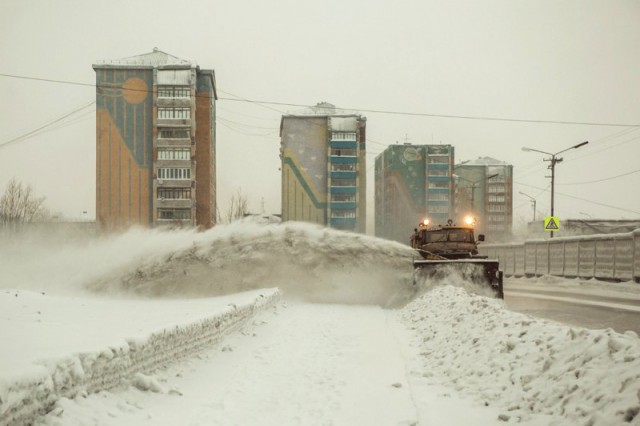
column 552, row 166
column 473, row 186
column 533, row 201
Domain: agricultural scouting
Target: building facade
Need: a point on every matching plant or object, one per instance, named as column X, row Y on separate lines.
column 155, row 142
column 484, row 189
column 412, row 182
column 323, row 153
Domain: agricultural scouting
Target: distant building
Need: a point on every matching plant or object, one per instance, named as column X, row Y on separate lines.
column 412, row 182
column 484, row 188
column 323, row 156
column 155, row 142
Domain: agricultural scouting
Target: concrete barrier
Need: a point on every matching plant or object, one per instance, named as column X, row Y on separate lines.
column 613, row 257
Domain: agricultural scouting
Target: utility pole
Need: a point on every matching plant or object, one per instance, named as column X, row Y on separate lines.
column 533, row 201
column 474, row 184
column 554, row 160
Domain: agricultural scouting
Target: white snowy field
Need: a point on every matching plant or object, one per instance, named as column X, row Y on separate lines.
column 352, row 342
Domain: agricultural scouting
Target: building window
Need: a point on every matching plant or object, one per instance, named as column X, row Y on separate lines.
column 174, row 113
column 343, row 214
column 343, row 152
column 496, row 188
column 343, row 198
column 174, row 154
column 439, row 197
column 343, row 136
column 496, row 198
column 349, row 167
column 174, row 92
column 496, row 179
column 343, row 182
column 174, row 214
column 177, row 173
column 174, row 134
column 439, row 185
column 438, row 172
column 438, row 159
column 496, row 208
column 174, row 193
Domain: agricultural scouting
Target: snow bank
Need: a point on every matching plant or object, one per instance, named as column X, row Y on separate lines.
column 306, row 261
column 28, row 390
column 529, row 367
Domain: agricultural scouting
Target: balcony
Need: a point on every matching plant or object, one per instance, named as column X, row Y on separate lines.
column 175, row 183
column 175, row 204
column 173, row 102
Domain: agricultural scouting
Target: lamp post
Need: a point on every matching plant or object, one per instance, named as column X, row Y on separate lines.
column 554, row 160
column 533, row 202
column 473, row 186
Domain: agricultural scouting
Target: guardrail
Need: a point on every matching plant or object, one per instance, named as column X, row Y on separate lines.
column 607, row 257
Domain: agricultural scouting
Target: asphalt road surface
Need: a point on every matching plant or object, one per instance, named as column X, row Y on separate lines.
column 576, row 306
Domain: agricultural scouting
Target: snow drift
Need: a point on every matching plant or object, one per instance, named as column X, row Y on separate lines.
column 305, row 261
column 528, row 366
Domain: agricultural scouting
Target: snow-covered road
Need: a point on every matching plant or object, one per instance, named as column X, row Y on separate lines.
column 132, row 329
column 301, row 364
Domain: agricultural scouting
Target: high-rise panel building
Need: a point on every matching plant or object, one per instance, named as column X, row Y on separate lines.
column 323, row 153
column 484, row 188
column 412, row 182
column 155, row 142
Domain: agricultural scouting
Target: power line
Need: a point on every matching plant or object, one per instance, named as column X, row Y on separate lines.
column 57, row 120
column 265, row 104
column 583, row 199
column 534, row 165
column 461, row 117
column 48, row 80
column 600, row 180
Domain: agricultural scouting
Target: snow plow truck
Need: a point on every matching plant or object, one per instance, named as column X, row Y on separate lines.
column 451, row 247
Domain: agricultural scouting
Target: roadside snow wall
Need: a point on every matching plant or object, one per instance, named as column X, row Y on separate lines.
column 36, row 392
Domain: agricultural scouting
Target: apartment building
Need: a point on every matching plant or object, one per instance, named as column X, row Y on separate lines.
column 323, row 153
column 155, row 142
column 484, row 188
column 412, row 182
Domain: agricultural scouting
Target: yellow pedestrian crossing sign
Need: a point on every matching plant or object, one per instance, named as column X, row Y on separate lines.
column 551, row 223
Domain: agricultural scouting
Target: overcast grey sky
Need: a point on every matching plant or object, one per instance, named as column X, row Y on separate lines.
column 570, row 61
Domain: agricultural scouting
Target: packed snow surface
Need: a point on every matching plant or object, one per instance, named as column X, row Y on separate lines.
column 354, row 342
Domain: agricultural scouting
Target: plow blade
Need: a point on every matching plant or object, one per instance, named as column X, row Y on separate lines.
column 481, row 272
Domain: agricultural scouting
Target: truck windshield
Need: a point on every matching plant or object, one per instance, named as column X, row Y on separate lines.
column 453, row 235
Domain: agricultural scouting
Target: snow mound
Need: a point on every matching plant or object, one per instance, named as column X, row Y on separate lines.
column 467, row 276
column 305, row 261
column 30, row 391
column 526, row 365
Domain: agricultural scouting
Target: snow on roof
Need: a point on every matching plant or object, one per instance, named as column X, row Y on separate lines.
column 485, row 161
column 174, row 77
column 155, row 58
column 323, row 109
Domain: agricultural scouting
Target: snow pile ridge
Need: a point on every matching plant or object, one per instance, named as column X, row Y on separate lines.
column 525, row 365
column 34, row 392
column 305, row 261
